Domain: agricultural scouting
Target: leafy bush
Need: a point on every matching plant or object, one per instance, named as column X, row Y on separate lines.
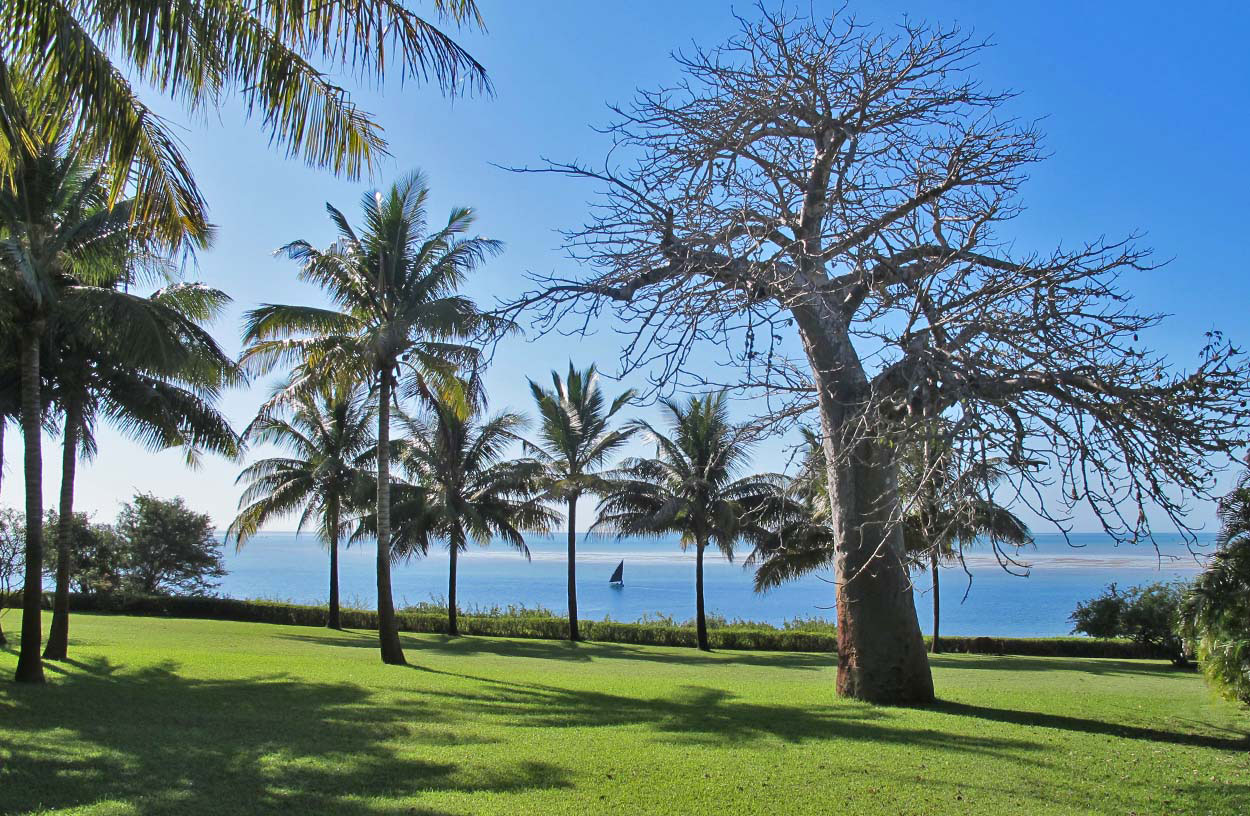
column 168, row 547
column 1215, row 614
column 1145, row 614
column 98, row 554
column 521, row 622
column 12, row 550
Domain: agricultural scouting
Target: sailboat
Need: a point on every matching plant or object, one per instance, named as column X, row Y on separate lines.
column 618, row 576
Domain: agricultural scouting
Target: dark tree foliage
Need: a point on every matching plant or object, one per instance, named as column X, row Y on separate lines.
column 1146, row 614
column 12, row 547
column 98, row 556
column 170, row 549
column 1215, row 616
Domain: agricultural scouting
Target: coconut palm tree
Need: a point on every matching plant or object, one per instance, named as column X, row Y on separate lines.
column 691, row 488
column 472, row 491
column 81, row 57
column 397, row 321
column 948, row 506
column 71, row 257
column 61, row 245
column 575, row 443
column 156, row 380
column 328, row 434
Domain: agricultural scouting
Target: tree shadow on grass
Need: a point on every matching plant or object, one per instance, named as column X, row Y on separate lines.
column 164, row 743
column 582, row 652
column 1088, row 665
column 704, row 716
column 1239, row 742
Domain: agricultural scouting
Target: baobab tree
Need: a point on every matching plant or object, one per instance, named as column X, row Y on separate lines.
column 853, row 184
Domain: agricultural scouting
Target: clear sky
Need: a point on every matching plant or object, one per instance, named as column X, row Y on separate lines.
column 1145, row 106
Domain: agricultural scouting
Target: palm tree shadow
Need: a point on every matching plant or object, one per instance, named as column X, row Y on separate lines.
column 1088, row 665
column 162, row 742
column 582, row 651
column 702, row 716
column 1240, row 742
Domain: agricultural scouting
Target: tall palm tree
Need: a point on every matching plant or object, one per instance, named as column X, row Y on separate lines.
column 575, row 443
column 691, row 488
column 397, row 321
column 948, row 506
column 472, row 492
column 328, row 434
column 156, row 381
column 81, row 56
column 59, row 249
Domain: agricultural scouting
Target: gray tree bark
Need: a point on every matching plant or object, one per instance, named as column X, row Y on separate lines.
column 29, row 664
column 58, row 635
column 388, row 628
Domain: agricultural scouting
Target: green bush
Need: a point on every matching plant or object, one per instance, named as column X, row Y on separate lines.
column 1144, row 614
column 521, row 622
column 1216, row 620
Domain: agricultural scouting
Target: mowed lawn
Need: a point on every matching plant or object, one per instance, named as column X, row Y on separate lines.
column 177, row 716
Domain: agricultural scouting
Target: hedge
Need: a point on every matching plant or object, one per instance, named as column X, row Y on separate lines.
column 522, row 624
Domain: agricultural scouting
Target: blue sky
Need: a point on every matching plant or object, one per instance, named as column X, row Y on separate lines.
column 1145, row 107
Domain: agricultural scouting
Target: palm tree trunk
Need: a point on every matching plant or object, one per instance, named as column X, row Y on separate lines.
column 333, row 512
column 388, row 630
column 933, row 565
column 29, row 665
column 58, row 636
column 573, row 633
column 452, row 627
column 700, row 619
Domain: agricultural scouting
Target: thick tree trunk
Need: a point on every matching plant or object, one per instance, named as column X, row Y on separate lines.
column 452, row 627
column 881, row 651
column 29, row 664
column 573, row 633
column 388, row 629
column 700, row 620
column 58, row 635
column 332, row 621
column 937, row 602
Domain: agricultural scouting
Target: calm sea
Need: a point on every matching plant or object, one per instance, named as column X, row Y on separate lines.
column 659, row 579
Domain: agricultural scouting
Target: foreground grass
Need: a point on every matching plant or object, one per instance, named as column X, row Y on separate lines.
column 176, row 716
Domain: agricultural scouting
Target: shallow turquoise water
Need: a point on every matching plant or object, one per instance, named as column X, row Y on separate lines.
column 659, row 578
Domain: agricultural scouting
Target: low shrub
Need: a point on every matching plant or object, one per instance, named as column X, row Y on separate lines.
column 521, row 622
column 1145, row 614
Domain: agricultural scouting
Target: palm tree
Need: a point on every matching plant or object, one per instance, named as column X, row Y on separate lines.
column 60, row 245
column 690, row 488
column 398, row 322
column 156, row 379
column 948, row 506
column 145, row 363
column 951, row 511
column 328, row 434
column 471, row 491
column 575, row 442
column 81, row 56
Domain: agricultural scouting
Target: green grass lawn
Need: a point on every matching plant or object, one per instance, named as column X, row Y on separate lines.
column 174, row 716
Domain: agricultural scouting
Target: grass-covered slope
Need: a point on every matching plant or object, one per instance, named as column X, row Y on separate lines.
column 176, row 716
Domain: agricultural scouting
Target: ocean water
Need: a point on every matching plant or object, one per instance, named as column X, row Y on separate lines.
column 659, row 579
